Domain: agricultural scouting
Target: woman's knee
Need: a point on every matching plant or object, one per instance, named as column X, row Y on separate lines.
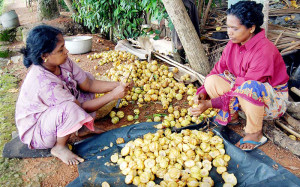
column 210, row 81
column 255, row 87
column 216, row 86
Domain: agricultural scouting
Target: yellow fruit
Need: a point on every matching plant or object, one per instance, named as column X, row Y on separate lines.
column 293, row 137
column 105, row 184
column 120, row 114
column 130, row 117
column 115, row 120
column 157, row 119
column 120, row 140
column 114, row 158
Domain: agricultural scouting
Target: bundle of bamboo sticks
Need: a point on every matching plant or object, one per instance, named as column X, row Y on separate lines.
column 286, row 39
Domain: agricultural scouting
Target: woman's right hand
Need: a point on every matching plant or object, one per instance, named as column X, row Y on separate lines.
column 200, row 96
column 120, row 91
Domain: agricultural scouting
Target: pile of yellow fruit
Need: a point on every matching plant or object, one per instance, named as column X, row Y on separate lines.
column 153, row 83
column 179, row 159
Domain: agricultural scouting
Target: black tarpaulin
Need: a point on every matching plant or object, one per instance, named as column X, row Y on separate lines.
column 250, row 168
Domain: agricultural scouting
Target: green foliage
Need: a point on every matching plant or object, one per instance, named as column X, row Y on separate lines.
column 7, row 106
column 7, row 35
column 125, row 17
column 4, row 54
column 1, row 6
column 10, row 172
column 63, row 5
column 9, row 168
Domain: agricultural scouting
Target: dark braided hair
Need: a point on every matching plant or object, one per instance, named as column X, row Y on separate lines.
column 41, row 39
column 249, row 13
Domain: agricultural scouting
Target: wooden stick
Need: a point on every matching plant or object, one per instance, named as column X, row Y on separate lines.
column 292, row 121
column 180, row 67
column 290, row 48
column 291, row 34
column 200, row 7
column 296, row 91
column 287, row 129
column 293, row 107
column 205, row 15
column 125, row 45
column 280, row 138
column 275, row 43
column 287, row 3
column 288, row 52
column 201, row 77
column 288, row 45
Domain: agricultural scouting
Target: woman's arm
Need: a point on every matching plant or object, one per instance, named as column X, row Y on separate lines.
column 116, row 93
column 98, row 86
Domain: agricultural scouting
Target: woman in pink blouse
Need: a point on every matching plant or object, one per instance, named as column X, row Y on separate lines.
column 57, row 97
column 250, row 75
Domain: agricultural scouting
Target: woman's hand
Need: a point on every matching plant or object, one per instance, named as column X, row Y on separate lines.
column 129, row 85
column 200, row 96
column 202, row 106
column 121, row 90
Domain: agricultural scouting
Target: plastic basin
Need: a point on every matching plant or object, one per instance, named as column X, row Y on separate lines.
column 78, row 44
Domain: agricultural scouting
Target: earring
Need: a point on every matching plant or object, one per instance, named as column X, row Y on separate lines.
column 45, row 60
column 251, row 32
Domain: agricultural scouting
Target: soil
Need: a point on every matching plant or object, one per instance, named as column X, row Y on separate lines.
column 51, row 171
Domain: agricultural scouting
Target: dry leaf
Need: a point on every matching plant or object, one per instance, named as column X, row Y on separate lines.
column 287, row 18
column 294, row 4
column 218, row 28
column 292, row 167
column 13, row 90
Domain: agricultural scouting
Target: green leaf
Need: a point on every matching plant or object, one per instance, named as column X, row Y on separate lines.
column 136, row 117
column 129, row 28
column 157, row 31
column 156, row 37
column 159, row 115
column 125, row 33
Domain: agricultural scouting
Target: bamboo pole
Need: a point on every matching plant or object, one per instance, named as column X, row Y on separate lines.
column 292, row 121
column 205, row 15
column 287, row 129
column 296, row 91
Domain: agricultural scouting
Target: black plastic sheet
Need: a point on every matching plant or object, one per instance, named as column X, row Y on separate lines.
column 250, row 168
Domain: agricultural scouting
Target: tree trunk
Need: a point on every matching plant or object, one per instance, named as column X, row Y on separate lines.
column 266, row 16
column 188, row 36
column 47, row 9
column 69, row 5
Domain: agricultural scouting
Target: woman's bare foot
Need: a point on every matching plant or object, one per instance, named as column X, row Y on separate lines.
column 85, row 131
column 253, row 136
column 64, row 154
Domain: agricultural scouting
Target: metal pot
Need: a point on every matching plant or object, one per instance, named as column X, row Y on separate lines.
column 10, row 19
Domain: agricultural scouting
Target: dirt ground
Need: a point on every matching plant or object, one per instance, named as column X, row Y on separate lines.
column 51, row 171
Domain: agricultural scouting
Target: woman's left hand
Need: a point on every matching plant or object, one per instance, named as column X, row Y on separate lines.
column 202, row 106
column 129, row 85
